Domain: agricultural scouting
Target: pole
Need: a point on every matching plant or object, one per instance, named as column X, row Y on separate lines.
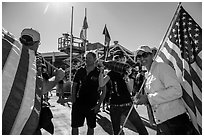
column 166, row 34
column 71, row 44
column 50, row 64
column 131, row 108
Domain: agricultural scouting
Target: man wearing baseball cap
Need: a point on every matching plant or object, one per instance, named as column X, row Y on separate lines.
column 30, row 38
column 163, row 92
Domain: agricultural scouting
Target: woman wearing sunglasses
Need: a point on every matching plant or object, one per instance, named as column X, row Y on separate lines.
column 120, row 97
column 163, row 92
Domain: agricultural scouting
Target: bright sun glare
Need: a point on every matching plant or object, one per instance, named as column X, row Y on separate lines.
column 53, row 6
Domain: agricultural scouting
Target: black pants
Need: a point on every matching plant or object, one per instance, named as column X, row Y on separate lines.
column 116, row 114
column 179, row 125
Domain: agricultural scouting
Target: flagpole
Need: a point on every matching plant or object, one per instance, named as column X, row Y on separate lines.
column 168, row 30
column 51, row 65
column 71, row 44
column 164, row 38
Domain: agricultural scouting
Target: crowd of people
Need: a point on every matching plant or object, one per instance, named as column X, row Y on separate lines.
column 93, row 83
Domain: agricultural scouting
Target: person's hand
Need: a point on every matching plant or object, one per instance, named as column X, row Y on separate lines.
column 60, row 73
column 100, row 65
column 140, row 99
column 129, row 71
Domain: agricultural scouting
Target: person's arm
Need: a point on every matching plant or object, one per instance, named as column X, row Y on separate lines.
column 129, row 82
column 50, row 83
column 102, row 95
column 74, row 92
column 75, row 85
column 103, row 80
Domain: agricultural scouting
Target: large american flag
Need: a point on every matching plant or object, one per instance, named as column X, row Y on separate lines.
column 183, row 51
column 21, row 86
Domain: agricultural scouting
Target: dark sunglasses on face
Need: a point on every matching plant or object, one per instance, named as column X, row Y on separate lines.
column 144, row 55
column 117, row 57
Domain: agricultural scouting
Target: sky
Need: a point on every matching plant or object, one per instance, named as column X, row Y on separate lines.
column 130, row 23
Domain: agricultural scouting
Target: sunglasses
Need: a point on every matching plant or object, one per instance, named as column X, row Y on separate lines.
column 144, row 55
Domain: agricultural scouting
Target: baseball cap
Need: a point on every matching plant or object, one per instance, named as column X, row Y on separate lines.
column 33, row 34
column 144, row 49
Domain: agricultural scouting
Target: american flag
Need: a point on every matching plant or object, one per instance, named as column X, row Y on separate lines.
column 183, row 50
column 21, row 84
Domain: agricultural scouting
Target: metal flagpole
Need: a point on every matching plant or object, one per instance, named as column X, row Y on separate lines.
column 51, row 65
column 172, row 21
column 71, row 44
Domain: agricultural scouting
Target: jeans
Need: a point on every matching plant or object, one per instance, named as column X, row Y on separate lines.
column 116, row 114
column 179, row 125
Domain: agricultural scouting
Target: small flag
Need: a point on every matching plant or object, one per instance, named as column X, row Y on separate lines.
column 107, row 42
column 107, row 36
column 183, row 51
column 83, row 32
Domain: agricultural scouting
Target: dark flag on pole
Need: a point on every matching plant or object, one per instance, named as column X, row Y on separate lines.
column 183, row 51
column 83, row 30
column 107, row 41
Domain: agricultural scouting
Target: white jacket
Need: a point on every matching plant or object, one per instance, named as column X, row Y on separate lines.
column 164, row 92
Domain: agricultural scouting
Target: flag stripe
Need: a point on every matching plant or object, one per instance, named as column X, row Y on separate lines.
column 198, row 103
column 164, row 58
column 175, row 55
column 187, row 98
column 195, row 78
column 15, row 97
column 197, row 92
column 33, row 120
column 197, row 70
column 6, row 50
column 29, row 94
column 194, row 118
column 199, row 61
column 9, row 70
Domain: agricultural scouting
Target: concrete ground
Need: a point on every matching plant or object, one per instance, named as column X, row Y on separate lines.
column 62, row 120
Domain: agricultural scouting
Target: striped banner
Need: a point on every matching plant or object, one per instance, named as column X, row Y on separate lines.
column 21, row 86
column 183, row 51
